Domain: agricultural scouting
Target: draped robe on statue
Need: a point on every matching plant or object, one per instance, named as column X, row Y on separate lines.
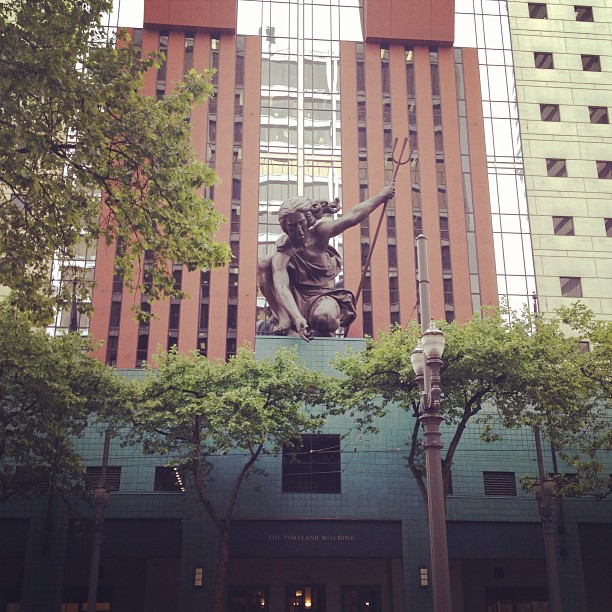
column 310, row 282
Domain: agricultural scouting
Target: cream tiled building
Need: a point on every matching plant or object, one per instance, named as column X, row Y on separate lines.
column 563, row 69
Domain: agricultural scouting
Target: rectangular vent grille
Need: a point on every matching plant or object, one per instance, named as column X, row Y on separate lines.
column 32, row 480
column 499, row 483
column 113, row 476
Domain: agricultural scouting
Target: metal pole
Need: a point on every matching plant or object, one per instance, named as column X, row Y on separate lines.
column 424, row 303
column 431, row 419
column 544, row 495
column 101, row 501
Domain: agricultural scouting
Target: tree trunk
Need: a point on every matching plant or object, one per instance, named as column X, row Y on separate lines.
column 219, row 586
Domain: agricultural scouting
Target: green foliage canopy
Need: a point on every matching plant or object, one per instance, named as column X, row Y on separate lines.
column 593, row 438
column 523, row 369
column 50, row 388
column 193, row 409
column 75, row 130
column 596, row 363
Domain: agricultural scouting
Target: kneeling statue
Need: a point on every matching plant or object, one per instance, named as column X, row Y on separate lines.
column 299, row 279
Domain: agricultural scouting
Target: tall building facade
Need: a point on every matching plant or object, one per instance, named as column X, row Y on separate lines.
column 563, row 62
column 309, row 99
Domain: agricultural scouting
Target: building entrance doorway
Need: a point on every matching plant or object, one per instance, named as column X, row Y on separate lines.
column 361, row 598
column 316, row 585
column 304, row 598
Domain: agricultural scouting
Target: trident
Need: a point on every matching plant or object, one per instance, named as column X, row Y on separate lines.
column 398, row 162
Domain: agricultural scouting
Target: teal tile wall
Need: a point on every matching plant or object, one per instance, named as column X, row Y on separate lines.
column 375, row 485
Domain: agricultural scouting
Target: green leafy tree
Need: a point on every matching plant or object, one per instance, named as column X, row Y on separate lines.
column 596, row 362
column 84, row 154
column 523, row 370
column 594, row 439
column 193, row 409
column 50, row 388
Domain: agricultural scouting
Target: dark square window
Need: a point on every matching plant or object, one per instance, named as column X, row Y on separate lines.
column 599, row 114
column 112, row 346
column 564, row 226
column 584, row 13
column 118, row 283
column 368, row 323
column 175, row 316
column 314, row 466
column 178, row 278
column 604, row 169
column 232, row 316
column 543, row 59
column 591, row 63
column 446, row 257
column 230, row 348
column 556, row 167
column 550, row 112
column 203, row 316
column 113, row 476
column 142, row 349
column 393, row 291
column 168, row 479
column 448, row 290
column 570, row 286
column 499, row 483
column 608, row 224
column 115, row 314
column 537, row 10
column 392, row 256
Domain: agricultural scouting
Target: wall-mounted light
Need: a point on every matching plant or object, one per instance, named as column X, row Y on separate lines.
column 198, row 577
column 423, row 577
column 179, row 480
column 307, row 597
column 261, row 598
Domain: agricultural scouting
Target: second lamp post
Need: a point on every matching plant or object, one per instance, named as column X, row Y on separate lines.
column 427, row 361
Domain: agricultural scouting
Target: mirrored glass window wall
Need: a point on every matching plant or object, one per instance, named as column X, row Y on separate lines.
column 484, row 24
column 300, row 103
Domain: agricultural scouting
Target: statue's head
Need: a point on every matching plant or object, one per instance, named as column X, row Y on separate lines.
column 296, row 217
column 313, row 210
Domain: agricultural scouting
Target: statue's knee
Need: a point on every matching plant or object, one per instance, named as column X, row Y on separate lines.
column 325, row 318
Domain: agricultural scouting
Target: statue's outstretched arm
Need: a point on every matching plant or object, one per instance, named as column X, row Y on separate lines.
column 360, row 212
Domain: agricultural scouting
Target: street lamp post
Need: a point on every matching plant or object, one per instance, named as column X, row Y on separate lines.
column 427, row 362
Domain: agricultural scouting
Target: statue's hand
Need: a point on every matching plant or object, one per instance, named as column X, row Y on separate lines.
column 387, row 193
column 302, row 329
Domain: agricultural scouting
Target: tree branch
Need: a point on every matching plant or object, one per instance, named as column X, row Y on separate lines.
column 243, row 472
column 416, row 470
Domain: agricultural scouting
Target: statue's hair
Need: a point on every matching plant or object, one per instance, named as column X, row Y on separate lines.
column 295, row 205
